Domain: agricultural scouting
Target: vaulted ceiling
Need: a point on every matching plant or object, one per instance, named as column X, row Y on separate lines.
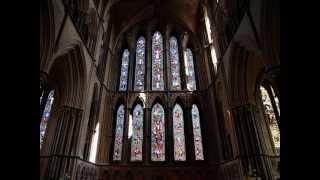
column 126, row 13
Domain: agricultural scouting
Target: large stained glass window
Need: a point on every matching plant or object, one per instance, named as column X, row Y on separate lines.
column 157, row 133
column 137, row 134
column 117, row 150
column 124, row 71
column 198, row 149
column 175, row 64
column 157, row 62
column 140, row 65
column 273, row 125
column 189, row 69
column 46, row 116
column 178, row 134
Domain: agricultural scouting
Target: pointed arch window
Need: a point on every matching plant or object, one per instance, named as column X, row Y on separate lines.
column 175, row 64
column 117, row 150
column 46, row 116
column 137, row 133
column 270, row 113
column 124, row 71
column 140, row 64
column 157, row 133
column 198, row 148
column 189, row 69
column 178, row 134
column 157, row 62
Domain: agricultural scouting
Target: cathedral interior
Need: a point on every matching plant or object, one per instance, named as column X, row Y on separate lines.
column 159, row 89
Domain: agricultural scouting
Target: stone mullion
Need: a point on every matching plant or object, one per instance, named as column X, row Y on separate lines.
column 169, row 135
column 148, row 62
column 181, row 50
column 131, row 67
column 125, row 146
column 249, row 142
column 188, row 134
column 147, row 137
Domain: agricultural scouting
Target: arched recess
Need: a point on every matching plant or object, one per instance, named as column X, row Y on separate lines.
column 47, row 32
column 251, row 130
column 67, row 76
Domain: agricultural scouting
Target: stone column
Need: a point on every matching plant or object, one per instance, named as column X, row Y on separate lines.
column 64, row 147
column 250, row 143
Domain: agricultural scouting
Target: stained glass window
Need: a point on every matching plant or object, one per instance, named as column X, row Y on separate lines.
column 276, row 99
column 124, row 71
column 175, row 64
column 273, row 125
column 198, row 149
column 45, row 116
column 189, row 69
column 178, row 134
column 157, row 62
column 140, row 65
column 157, row 133
column 137, row 134
column 117, row 150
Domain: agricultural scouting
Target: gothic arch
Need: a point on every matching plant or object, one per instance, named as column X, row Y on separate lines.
column 68, row 76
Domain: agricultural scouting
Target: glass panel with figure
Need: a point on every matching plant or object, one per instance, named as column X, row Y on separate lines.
column 140, row 65
column 189, row 69
column 117, row 150
column 198, row 149
column 272, row 121
column 157, row 62
column 175, row 64
column 137, row 134
column 157, row 133
column 124, row 71
column 178, row 134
